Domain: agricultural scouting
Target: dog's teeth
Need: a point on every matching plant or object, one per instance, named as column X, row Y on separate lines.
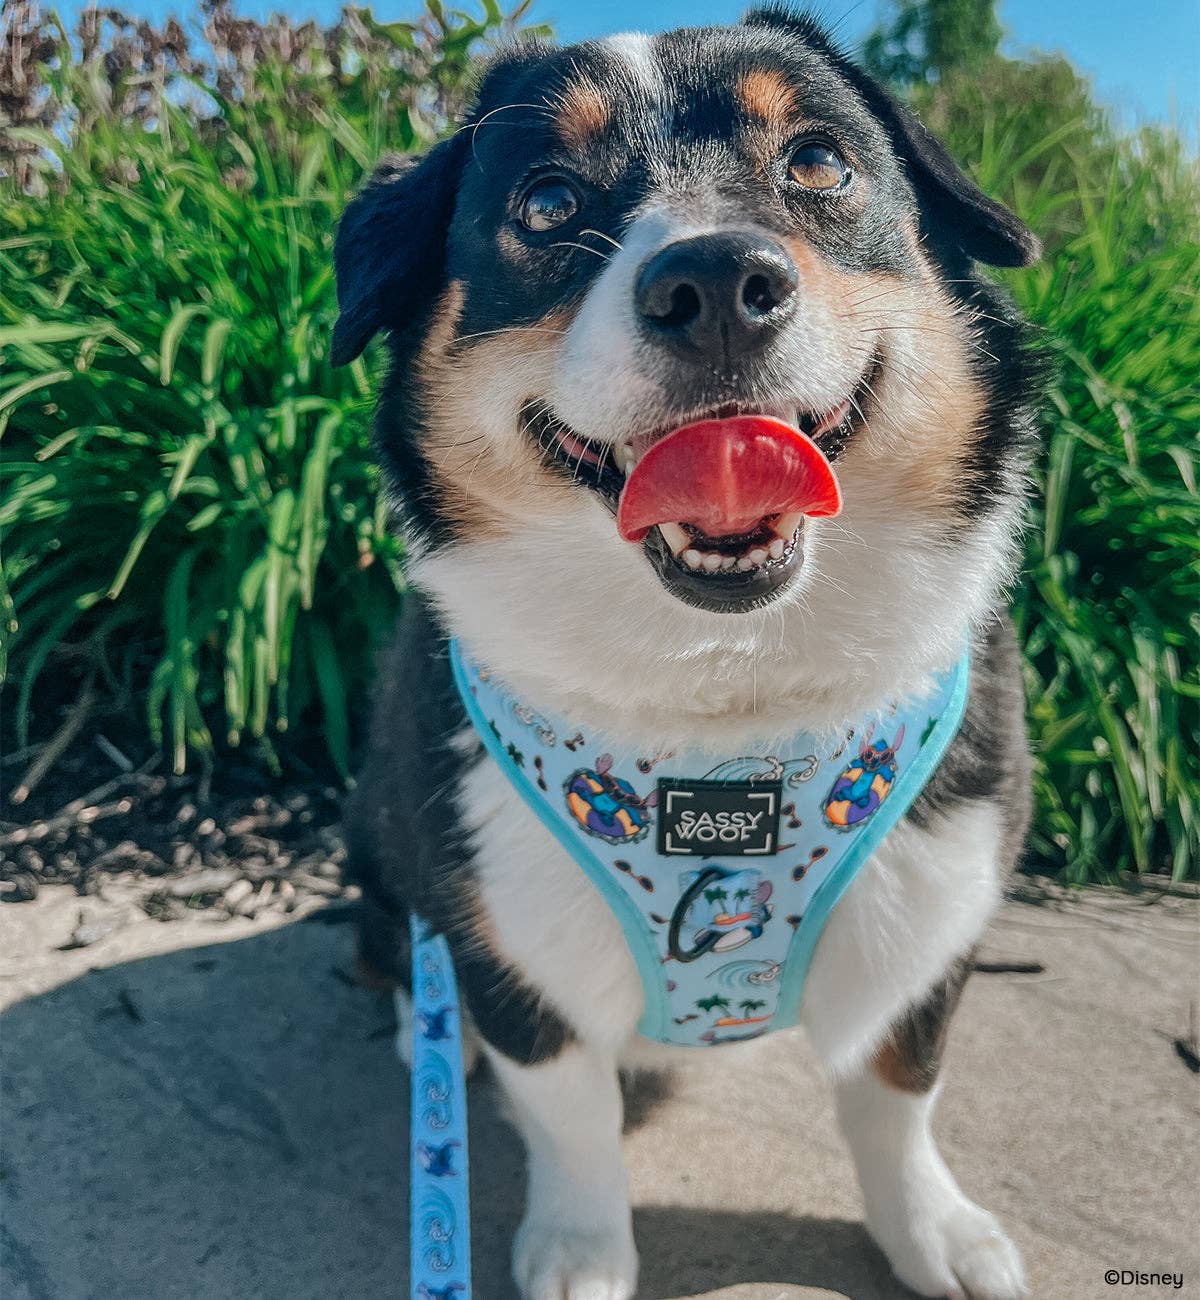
column 719, row 562
column 675, row 537
column 625, row 457
column 785, row 526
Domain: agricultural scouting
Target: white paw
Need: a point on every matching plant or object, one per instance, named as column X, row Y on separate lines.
column 554, row 1261
column 954, row 1249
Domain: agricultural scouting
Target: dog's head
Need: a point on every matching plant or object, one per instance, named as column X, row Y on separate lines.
column 662, row 308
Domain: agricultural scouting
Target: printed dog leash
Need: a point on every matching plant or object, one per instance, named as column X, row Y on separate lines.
column 439, row 1211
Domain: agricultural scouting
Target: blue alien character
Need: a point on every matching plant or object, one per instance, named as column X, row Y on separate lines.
column 436, row 1160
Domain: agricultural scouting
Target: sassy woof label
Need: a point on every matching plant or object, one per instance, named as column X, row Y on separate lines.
column 718, row 818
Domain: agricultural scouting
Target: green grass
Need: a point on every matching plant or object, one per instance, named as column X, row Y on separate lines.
column 184, row 458
column 191, row 511
column 1109, row 613
column 186, row 474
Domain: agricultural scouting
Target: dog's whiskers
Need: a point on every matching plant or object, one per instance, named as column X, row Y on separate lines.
column 567, row 243
column 473, row 127
column 507, row 329
column 616, row 243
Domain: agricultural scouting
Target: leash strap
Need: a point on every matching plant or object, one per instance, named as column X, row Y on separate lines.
column 439, row 1212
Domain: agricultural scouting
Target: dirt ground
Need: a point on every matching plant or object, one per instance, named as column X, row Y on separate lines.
column 209, row 1107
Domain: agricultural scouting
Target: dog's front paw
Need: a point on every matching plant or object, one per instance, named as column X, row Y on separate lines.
column 952, row 1248
column 556, row 1261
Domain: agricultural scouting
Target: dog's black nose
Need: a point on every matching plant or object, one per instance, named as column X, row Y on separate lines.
column 716, row 297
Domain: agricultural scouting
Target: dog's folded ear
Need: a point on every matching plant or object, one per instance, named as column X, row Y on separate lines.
column 953, row 208
column 390, row 244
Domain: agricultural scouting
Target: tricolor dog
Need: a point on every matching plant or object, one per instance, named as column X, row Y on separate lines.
column 704, row 719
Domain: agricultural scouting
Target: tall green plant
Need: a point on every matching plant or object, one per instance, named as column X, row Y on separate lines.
column 1109, row 615
column 189, row 493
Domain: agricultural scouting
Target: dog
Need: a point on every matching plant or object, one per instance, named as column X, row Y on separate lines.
column 729, row 229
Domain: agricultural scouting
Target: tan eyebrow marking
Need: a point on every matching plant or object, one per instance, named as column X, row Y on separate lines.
column 583, row 113
column 768, row 95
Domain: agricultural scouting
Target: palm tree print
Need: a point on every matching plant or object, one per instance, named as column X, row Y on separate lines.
column 748, row 1006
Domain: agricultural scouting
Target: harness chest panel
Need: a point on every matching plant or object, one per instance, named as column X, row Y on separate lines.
column 721, row 870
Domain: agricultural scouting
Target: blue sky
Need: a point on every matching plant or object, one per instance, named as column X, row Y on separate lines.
column 1144, row 58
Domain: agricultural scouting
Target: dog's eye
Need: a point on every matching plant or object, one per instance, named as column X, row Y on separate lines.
column 548, row 203
column 817, row 166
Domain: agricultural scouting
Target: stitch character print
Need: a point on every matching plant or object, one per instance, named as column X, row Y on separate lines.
column 865, row 783
column 606, row 805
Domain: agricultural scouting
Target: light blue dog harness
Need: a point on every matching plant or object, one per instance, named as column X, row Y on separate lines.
column 722, row 872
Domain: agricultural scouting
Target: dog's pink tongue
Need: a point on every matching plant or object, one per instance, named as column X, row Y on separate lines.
column 724, row 476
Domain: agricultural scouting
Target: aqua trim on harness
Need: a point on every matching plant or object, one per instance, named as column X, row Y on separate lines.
column 439, row 1218
column 716, row 856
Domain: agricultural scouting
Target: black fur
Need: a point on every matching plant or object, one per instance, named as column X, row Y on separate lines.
column 390, row 245
column 405, row 841
column 1011, row 370
column 911, row 1057
column 989, row 758
column 956, row 216
column 415, row 227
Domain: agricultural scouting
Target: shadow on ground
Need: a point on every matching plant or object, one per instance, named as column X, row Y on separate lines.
column 231, row 1121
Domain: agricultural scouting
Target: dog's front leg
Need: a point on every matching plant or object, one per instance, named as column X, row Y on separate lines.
column 554, row 1054
column 576, row 1240
column 938, row 1241
column 884, row 983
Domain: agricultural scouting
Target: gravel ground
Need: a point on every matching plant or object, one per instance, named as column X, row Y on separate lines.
column 169, row 846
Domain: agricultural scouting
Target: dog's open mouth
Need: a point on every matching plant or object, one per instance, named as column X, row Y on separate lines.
column 720, row 503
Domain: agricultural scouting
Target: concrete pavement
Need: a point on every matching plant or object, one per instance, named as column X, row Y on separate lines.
column 193, row 1109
